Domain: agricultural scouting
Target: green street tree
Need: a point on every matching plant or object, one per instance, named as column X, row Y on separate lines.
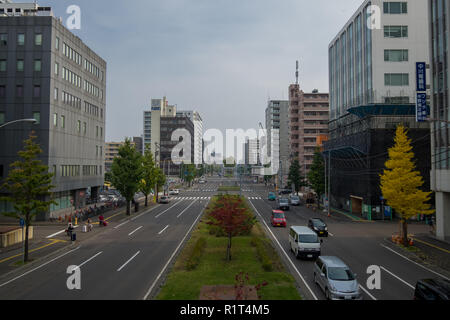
column 190, row 173
column 28, row 185
column 147, row 184
column 295, row 176
column 126, row 172
column 316, row 175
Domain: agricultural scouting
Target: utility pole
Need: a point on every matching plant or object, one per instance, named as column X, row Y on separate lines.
column 157, row 151
column 326, row 182
column 329, row 184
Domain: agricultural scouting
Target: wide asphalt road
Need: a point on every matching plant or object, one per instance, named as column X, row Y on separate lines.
column 127, row 261
column 359, row 244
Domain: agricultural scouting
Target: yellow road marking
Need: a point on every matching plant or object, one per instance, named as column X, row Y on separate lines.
column 432, row 245
column 53, row 241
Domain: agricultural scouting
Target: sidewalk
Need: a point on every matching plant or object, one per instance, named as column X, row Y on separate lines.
column 435, row 251
column 51, row 237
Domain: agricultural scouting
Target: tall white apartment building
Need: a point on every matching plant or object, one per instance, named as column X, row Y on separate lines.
column 152, row 121
column 195, row 117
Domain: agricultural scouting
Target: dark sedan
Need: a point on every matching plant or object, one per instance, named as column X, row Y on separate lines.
column 319, row 227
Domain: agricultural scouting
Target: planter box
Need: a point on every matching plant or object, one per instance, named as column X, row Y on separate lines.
column 12, row 235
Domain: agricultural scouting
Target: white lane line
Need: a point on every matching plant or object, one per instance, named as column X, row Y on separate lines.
column 398, row 278
column 172, row 256
column 331, row 234
column 120, row 269
column 28, row 272
column 367, row 292
column 162, row 231
column 186, row 209
column 122, row 224
column 135, row 230
column 289, row 259
column 58, row 233
column 436, row 273
column 88, row 260
column 159, row 215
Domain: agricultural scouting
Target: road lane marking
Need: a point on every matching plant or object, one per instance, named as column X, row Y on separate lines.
column 162, row 231
column 398, row 278
column 58, row 233
column 122, row 224
column 436, row 273
column 289, row 259
column 159, row 215
column 88, row 260
column 431, row 245
column 367, row 292
column 120, row 269
column 28, row 272
column 186, row 209
column 53, row 241
column 172, row 256
column 135, row 230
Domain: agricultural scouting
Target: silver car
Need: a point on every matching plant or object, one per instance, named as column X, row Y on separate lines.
column 295, row 200
column 336, row 279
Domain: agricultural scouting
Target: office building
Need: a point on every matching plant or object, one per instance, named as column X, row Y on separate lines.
column 49, row 74
column 197, row 120
column 372, row 75
column 111, row 152
column 440, row 114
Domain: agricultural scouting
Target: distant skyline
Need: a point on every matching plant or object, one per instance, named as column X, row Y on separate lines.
column 223, row 58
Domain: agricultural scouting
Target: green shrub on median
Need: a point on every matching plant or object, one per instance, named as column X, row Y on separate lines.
column 262, row 255
column 196, row 254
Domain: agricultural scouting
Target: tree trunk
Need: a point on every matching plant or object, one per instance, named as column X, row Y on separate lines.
column 405, row 233
column 128, row 208
column 146, row 200
column 229, row 248
column 25, row 259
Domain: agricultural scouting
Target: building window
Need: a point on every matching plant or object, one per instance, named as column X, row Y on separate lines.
column 396, row 79
column 37, row 117
column 56, row 94
column 19, row 91
column 395, row 31
column 36, row 91
column 96, row 131
column 55, row 119
column 395, row 7
column 56, row 68
column 21, row 39
column 396, row 100
column 84, row 128
column 37, row 65
column 4, row 39
column 20, row 65
column 38, row 39
column 79, row 126
column 57, row 44
column 2, row 65
column 396, row 55
column 2, row 91
column 63, row 122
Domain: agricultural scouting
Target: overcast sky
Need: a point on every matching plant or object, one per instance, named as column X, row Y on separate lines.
column 223, row 58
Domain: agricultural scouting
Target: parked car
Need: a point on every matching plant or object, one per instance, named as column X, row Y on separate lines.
column 295, row 200
column 278, row 219
column 432, row 290
column 164, row 200
column 272, row 196
column 318, row 226
column 283, row 204
column 304, row 242
column 336, row 279
column 285, row 192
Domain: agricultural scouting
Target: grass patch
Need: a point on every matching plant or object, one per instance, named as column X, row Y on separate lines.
column 212, row 268
column 229, row 188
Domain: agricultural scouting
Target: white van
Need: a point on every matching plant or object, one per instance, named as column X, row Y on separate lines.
column 304, row 243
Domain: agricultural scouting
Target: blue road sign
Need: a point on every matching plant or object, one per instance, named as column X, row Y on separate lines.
column 421, row 107
column 22, row 223
column 421, row 76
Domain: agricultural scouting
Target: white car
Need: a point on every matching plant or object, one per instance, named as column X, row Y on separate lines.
column 174, row 192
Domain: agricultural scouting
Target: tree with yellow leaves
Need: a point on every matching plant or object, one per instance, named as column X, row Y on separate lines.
column 401, row 183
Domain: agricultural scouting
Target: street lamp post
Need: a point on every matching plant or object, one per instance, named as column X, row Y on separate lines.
column 33, row 121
